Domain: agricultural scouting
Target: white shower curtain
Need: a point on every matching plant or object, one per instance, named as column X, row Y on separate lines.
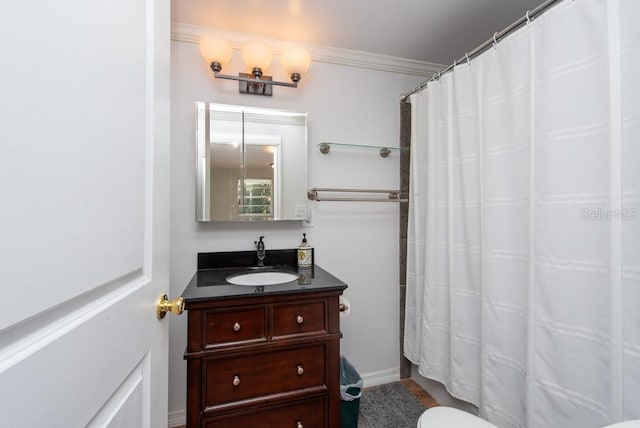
column 523, row 278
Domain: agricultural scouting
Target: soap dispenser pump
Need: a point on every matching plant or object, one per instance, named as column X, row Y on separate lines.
column 305, row 253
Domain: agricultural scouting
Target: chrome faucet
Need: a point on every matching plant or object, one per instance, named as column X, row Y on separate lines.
column 261, row 251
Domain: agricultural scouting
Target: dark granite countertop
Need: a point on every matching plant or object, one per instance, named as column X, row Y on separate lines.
column 210, row 280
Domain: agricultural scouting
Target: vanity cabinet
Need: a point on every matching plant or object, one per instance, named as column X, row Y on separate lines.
column 268, row 361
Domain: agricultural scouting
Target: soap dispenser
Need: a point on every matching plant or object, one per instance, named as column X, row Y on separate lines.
column 305, row 253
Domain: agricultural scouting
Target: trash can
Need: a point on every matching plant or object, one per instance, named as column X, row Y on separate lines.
column 350, row 393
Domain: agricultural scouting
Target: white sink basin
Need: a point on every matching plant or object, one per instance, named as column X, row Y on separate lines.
column 261, row 278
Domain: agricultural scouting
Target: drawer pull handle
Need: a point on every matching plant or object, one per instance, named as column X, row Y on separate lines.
column 299, row 319
column 236, row 380
column 236, row 327
column 299, row 425
column 300, row 370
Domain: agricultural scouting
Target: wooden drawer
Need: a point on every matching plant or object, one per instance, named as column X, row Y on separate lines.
column 248, row 376
column 306, row 414
column 223, row 327
column 299, row 318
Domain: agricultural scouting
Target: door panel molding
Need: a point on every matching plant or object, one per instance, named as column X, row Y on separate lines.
column 33, row 334
column 124, row 407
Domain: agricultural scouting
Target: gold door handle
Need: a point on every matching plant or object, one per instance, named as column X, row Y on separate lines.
column 236, row 380
column 236, row 327
column 300, row 370
column 164, row 305
column 299, row 319
column 299, row 425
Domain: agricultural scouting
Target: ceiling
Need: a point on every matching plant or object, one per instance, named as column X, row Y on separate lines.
column 436, row 31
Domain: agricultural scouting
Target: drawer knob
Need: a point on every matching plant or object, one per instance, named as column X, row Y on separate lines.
column 299, row 319
column 236, row 380
column 236, row 327
column 299, row 425
column 300, row 370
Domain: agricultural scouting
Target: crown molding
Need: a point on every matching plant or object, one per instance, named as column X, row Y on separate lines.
column 191, row 34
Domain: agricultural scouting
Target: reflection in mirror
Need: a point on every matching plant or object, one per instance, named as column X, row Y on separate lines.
column 252, row 164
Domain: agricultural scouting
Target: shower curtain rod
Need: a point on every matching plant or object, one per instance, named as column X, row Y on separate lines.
column 478, row 50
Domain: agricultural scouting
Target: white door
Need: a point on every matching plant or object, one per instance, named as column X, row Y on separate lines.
column 84, row 147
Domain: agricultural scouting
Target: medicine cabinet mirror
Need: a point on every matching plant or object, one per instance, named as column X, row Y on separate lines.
column 251, row 163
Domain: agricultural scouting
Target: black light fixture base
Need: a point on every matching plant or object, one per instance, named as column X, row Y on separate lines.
column 256, row 88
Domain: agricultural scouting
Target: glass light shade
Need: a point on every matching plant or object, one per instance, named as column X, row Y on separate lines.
column 296, row 60
column 256, row 54
column 215, row 48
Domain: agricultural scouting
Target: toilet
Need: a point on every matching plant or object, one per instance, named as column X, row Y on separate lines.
column 448, row 417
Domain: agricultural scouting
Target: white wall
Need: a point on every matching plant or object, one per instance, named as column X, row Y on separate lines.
column 357, row 242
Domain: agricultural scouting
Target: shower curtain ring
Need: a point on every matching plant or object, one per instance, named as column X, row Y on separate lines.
column 495, row 42
column 455, row 62
column 466, row 55
column 527, row 16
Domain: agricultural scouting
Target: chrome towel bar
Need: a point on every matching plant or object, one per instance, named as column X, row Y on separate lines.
column 392, row 195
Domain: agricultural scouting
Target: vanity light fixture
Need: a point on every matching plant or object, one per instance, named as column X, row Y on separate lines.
column 257, row 56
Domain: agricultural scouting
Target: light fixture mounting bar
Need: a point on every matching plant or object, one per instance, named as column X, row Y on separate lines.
column 255, row 85
column 254, row 80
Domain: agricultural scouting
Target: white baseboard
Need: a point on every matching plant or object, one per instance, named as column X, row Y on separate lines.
column 179, row 417
column 381, row 377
